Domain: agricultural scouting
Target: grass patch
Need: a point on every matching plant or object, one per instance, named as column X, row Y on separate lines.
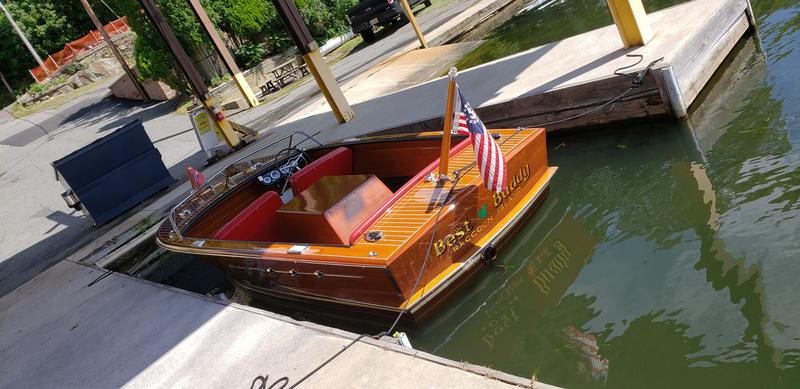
column 344, row 50
column 185, row 103
column 18, row 111
column 435, row 4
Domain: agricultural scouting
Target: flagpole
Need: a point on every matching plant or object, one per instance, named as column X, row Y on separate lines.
column 444, row 157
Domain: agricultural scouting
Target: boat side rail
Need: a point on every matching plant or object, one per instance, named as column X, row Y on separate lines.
column 197, row 198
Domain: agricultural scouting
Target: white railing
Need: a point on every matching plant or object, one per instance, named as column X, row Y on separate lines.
column 221, row 182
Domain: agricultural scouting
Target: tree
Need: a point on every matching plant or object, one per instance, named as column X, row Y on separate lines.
column 48, row 24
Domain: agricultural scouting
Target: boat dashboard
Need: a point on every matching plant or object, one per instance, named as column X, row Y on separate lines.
column 277, row 175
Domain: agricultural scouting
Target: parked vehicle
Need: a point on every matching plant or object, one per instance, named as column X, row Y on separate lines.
column 369, row 14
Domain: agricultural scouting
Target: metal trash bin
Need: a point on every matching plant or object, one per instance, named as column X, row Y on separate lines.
column 112, row 174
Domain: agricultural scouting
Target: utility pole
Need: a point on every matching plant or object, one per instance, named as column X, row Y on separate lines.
column 3, row 78
column 24, row 39
column 223, row 52
column 113, row 47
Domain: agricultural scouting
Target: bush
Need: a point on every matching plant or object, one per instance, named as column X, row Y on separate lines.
column 249, row 54
column 34, row 89
column 73, row 68
column 219, row 80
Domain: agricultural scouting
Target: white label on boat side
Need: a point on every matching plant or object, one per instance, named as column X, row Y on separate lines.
column 298, row 249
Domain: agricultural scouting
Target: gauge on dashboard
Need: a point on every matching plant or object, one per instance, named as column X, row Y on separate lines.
column 265, row 179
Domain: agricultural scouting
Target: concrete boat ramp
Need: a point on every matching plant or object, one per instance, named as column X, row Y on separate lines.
column 71, row 327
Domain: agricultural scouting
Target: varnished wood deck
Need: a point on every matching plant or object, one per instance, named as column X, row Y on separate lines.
column 410, row 215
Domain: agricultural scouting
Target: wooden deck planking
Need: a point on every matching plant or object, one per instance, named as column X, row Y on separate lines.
column 410, row 214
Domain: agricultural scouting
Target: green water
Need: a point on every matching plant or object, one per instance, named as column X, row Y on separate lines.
column 668, row 254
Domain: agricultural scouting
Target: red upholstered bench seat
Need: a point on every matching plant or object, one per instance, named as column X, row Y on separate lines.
column 337, row 162
column 253, row 223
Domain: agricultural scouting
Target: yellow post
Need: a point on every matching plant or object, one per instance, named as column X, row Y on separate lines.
column 631, row 21
column 244, row 88
column 413, row 20
column 444, row 157
column 222, row 50
column 230, row 136
column 328, row 85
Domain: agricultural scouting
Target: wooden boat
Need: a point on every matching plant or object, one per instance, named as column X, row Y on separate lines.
column 350, row 225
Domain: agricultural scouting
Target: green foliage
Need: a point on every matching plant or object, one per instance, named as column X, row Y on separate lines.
column 245, row 18
column 249, row 54
column 219, row 80
column 325, row 18
column 35, row 89
column 73, row 68
column 252, row 28
column 48, row 24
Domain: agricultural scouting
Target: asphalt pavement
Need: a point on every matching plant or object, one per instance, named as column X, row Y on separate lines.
column 39, row 229
column 390, row 41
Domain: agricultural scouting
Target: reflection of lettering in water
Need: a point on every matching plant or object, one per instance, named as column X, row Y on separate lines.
column 544, row 274
column 550, row 269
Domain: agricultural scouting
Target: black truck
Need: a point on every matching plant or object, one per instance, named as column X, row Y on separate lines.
column 368, row 14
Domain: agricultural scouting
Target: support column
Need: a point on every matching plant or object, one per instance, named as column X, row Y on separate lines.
column 186, row 65
column 316, row 64
column 113, row 48
column 631, row 21
column 222, row 50
column 413, row 20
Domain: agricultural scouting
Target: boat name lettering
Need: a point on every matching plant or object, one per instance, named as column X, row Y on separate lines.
column 457, row 236
column 513, row 184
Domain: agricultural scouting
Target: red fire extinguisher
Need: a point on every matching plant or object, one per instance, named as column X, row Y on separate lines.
column 219, row 115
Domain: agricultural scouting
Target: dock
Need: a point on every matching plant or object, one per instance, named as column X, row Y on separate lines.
column 560, row 80
column 79, row 326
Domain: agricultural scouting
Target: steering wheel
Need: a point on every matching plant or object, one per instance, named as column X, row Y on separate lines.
column 293, row 164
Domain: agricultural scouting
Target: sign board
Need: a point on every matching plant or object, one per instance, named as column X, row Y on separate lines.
column 208, row 133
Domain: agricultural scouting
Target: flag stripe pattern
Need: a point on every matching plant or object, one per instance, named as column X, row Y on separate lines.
column 195, row 177
column 489, row 159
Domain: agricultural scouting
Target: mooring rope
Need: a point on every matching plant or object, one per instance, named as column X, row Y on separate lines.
column 636, row 81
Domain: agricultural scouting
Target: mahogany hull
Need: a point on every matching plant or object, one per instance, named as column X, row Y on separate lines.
column 380, row 277
column 354, row 311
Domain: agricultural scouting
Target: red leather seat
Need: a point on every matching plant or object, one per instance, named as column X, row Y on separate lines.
column 253, row 223
column 337, row 162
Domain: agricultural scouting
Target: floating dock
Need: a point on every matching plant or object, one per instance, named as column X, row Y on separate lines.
column 563, row 79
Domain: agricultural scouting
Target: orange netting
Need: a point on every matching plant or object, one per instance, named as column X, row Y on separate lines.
column 73, row 49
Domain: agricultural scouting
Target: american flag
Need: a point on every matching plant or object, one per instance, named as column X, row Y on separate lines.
column 489, row 158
